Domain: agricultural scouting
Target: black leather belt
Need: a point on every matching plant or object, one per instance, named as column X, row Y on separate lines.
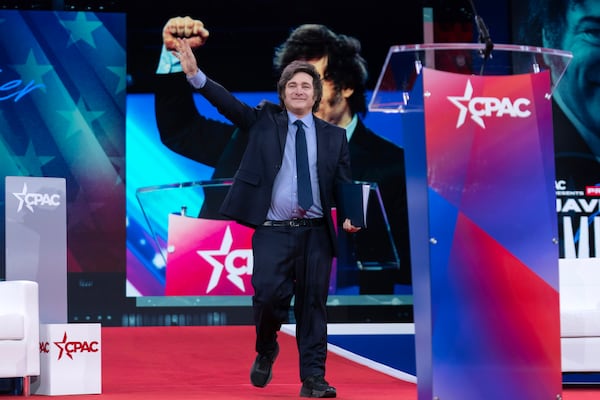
column 297, row 222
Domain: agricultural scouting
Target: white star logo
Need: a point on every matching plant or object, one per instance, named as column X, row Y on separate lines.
column 21, row 198
column 233, row 273
column 459, row 101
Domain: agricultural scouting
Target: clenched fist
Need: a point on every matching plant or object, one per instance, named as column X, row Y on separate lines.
column 184, row 27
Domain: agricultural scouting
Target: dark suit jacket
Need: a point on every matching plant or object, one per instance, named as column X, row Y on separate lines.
column 249, row 197
column 220, row 145
column 375, row 159
column 575, row 162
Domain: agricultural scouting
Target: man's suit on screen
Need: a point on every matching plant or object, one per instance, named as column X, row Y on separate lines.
column 221, row 145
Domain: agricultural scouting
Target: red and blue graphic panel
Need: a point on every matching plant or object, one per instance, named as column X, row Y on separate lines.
column 488, row 304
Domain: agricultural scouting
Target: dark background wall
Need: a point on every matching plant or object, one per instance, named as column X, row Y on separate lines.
column 243, row 34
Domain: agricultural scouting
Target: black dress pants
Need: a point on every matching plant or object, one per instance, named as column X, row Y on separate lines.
column 288, row 262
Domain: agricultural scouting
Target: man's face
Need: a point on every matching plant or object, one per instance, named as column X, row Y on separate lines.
column 334, row 106
column 580, row 86
column 300, row 94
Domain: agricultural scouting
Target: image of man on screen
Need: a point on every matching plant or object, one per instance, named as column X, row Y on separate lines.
column 337, row 57
column 573, row 25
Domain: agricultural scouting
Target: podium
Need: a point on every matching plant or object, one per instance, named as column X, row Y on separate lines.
column 483, row 225
column 205, row 254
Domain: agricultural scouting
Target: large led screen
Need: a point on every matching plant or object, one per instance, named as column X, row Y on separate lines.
column 62, row 114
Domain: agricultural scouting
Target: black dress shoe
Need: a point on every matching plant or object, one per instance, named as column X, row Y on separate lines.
column 317, row 386
column 261, row 372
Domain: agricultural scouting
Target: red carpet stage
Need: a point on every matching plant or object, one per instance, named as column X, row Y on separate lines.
column 147, row 363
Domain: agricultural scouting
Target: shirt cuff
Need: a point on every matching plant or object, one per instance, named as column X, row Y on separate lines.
column 168, row 63
column 197, row 81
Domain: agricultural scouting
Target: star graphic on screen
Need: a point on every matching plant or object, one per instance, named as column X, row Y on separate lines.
column 120, row 72
column 30, row 162
column 230, row 258
column 84, row 212
column 82, row 29
column 33, row 71
column 218, row 267
column 80, row 119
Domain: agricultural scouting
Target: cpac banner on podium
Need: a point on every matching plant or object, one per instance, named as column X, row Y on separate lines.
column 493, row 321
column 482, row 213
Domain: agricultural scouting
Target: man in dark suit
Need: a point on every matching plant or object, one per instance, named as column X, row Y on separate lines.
column 573, row 25
column 294, row 239
column 374, row 159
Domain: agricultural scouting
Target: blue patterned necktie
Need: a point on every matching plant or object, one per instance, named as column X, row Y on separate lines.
column 304, row 188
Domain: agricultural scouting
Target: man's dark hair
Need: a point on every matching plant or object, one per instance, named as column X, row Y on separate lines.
column 292, row 69
column 346, row 68
column 549, row 17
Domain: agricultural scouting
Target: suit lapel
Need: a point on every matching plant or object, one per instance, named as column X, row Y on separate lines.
column 282, row 127
column 323, row 151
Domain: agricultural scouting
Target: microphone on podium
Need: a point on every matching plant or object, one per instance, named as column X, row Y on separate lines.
column 484, row 35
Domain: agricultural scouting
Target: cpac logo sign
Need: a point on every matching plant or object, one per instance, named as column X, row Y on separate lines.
column 68, row 348
column 30, row 200
column 44, row 347
column 234, row 273
column 485, row 107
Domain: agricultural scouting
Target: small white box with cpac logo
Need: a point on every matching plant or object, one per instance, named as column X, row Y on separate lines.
column 70, row 360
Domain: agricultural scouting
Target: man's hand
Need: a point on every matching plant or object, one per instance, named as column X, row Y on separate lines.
column 184, row 27
column 348, row 227
column 186, row 57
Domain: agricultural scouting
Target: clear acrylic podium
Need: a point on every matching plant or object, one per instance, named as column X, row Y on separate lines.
column 483, row 227
column 185, row 224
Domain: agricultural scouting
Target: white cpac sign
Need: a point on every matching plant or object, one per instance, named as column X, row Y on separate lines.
column 30, row 200
column 480, row 107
